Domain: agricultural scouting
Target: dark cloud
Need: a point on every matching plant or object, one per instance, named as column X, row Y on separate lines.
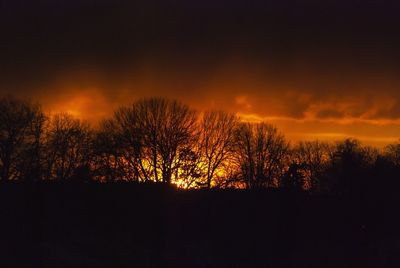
column 330, row 114
column 109, row 33
column 391, row 111
column 296, row 59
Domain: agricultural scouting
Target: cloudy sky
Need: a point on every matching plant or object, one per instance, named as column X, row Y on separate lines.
column 316, row 69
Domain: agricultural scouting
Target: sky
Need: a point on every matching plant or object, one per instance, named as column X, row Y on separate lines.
column 316, row 69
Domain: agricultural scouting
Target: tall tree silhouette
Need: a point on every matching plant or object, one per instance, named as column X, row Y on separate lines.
column 189, row 168
column 67, row 147
column 261, row 154
column 217, row 138
column 350, row 165
column 313, row 157
column 110, row 153
column 21, row 124
column 168, row 127
column 128, row 136
column 156, row 132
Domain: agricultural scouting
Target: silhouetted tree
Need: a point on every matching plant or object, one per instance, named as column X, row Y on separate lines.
column 350, row 165
column 189, row 169
column 154, row 134
column 217, row 138
column 110, row 152
column 21, row 124
column 313, row 157
column 67, row 147
column 392, row 153
column 386, row 172
column 261, row 154
column 130, row 152
column 30, row 159
column 294, row 177
column 168, row 127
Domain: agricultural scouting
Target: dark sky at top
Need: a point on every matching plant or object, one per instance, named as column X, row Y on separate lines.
column 298, row 60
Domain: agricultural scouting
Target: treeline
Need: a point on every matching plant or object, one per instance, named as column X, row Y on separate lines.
column 165, row 141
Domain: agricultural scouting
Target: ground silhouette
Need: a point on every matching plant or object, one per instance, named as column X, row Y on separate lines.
column 153, row 225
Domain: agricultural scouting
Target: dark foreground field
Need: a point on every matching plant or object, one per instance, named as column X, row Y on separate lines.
column 129, row 225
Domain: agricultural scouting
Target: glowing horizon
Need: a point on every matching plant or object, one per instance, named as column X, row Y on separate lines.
column 93, row 107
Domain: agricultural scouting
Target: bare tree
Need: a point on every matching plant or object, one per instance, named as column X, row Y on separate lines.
column 21, row 124
column 313, row 157
column 110, row 153
column 67, row 147
column 189, row 169
column 168, row 128
column 216, row 145
column 128, row 153
column 156, row 135
column 261, row 154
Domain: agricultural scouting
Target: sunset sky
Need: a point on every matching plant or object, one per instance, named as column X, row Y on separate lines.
column 315, row 69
